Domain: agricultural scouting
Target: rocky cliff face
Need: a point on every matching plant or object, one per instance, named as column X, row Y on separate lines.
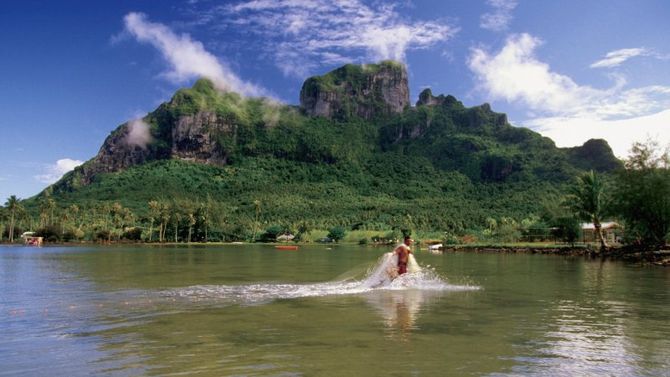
column 426, row 98
column 370, row 92
column 419, row 121
column 482, row 114
column 475, row 117
column 193, row 138
column 115, row 154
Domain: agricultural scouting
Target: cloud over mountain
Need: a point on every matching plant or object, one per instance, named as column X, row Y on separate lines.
column 515, row 74
column 556, row 103
column 301, row 35
column 55, row 171
column 187, row 58
column 138, row 133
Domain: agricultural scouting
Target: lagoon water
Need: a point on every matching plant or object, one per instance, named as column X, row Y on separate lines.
column 255, row 311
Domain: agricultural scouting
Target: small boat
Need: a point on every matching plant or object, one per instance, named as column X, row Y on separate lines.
column 435, row 248
column 286, row 247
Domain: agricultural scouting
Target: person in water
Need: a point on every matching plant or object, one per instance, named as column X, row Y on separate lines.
column 403, row 251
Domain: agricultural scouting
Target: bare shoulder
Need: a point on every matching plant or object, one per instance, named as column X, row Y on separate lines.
column 402, row 247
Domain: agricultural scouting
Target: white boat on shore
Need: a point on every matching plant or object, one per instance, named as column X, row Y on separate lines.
column 435, row 248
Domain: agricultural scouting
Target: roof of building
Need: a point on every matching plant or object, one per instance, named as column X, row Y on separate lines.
column 605, row 225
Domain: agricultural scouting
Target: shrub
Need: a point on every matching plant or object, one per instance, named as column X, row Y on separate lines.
column 101, row 235
column 336, row 233
column 451, row 239
column 132, row 234
column 566, row 229
column 50, row 233
column 272, row 233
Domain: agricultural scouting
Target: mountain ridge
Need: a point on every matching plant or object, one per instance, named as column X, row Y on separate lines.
column 368, row 126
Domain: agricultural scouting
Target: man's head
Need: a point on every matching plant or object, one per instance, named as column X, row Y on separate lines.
column 408, row 240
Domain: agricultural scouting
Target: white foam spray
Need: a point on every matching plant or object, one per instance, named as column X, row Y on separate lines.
column 382, row 276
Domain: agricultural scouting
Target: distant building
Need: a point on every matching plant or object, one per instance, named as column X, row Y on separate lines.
column 612, row 232
column 285, row 237
column 30, row 239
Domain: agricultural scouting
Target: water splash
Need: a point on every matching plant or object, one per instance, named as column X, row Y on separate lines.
column 385, row 273
column 382, row 276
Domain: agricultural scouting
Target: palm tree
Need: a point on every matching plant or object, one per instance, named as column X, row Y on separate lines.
column 102, row 219
column 73, row 210
column 51, row 207
column 120, row 217
column 13, row 206
column 176, row 216
column 64, row 220
column 587, row 201
column 257, row 205
column 165, row 218
column 191, row 222
column 3, row 218
column 47, row 207
column 154, row 213
column 203, row 213
column 162, row 212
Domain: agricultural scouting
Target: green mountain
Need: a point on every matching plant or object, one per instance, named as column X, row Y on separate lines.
column 355, row 153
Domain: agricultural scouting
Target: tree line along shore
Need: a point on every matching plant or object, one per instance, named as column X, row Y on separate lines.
column 635, row 196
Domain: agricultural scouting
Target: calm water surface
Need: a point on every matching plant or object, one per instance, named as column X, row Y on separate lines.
column 255, row 311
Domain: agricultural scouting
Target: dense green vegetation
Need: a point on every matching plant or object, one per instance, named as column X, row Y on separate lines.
column 366, row 195
column 461, row 173
column 641, row 196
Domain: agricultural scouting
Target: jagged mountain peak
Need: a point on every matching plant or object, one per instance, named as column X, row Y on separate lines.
column 370, row 91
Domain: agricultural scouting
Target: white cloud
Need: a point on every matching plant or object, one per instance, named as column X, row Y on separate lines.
column 620, row 134
column 615, row 58
column 515, row 74
column 138, row 133
column 187, row 58
column 568, row 112
column 500, row 17
column 54, row 172
column 303, row 34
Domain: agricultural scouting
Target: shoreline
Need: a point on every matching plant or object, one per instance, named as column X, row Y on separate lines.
column 659, row 257
column 511, row 249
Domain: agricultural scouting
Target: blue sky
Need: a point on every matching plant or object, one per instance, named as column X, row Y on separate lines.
column 72, row 71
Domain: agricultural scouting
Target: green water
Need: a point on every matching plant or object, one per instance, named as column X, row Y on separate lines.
column 255, row 311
